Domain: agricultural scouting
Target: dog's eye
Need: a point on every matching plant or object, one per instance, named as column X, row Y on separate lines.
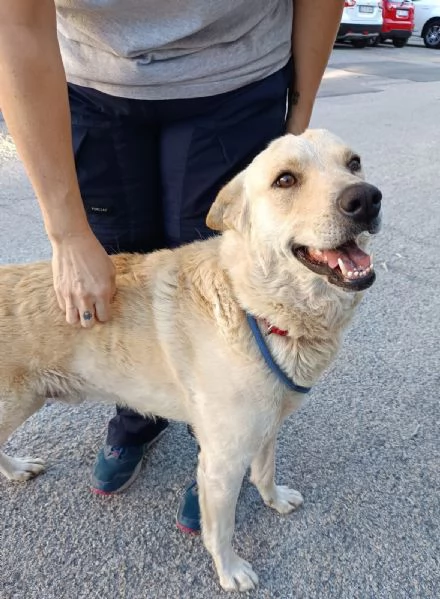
column 354, row 164
column 285, row 180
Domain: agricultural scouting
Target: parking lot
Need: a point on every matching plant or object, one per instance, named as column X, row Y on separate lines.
column 364, row 449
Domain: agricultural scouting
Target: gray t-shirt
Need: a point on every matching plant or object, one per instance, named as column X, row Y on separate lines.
column 167, row 49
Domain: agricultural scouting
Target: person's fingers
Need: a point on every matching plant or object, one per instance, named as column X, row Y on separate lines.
column 60, row 300
column 87, row 314
column 72, row 315
column 102, row 309
column 84, row 279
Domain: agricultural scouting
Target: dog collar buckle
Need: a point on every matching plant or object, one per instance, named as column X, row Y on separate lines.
column 273, row 330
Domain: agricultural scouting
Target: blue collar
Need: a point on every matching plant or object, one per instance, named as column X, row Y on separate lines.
column 265, row 352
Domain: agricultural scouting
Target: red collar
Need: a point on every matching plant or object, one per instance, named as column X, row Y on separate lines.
column 273, row 330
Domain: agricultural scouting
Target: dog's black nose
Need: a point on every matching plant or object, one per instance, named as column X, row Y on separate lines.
column 360, row 201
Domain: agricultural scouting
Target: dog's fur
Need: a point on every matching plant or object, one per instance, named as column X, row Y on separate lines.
column 178, row 344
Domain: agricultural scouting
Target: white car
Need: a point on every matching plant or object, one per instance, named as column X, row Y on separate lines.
column 361, row 22
column 427, row 22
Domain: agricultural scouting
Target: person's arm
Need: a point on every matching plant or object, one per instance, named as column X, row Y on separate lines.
column 315, row 26
column 33, row 97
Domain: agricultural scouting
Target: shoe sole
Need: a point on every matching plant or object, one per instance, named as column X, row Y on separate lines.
column 135, row 474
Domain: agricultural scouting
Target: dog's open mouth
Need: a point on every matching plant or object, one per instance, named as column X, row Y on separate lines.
column 346, row 266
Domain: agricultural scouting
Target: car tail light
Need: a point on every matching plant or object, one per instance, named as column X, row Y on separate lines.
column 349, row 3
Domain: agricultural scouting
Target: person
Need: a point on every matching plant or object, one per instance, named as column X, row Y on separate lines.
column 129, row 117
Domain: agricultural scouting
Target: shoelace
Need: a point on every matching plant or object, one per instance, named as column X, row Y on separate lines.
column 116, row 452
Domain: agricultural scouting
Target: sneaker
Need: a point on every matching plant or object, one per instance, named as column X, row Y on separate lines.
column 188, row 514
column 116, row 468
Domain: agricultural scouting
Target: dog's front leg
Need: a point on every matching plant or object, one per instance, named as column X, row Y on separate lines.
column 278, row 497
column 219, row 483
column 14, row 409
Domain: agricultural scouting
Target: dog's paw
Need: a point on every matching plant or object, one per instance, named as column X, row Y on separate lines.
column 22, row 469
column 285, row 500
column 238, row 576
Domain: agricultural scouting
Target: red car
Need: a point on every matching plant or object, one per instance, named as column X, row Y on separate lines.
column 398, row 22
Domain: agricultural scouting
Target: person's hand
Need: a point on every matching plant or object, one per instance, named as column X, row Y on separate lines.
column 298, row 121
column 84, row 279
column 300, row 115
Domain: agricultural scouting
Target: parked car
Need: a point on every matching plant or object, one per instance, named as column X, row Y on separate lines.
column 361, row 22
column 427, row 22
column 398, row 22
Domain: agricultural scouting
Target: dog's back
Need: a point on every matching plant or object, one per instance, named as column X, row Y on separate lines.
column 163, row 301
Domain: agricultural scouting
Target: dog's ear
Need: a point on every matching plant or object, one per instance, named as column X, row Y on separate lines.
column 227, row 211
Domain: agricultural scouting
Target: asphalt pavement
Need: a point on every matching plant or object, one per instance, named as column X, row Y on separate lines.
column 364, row 449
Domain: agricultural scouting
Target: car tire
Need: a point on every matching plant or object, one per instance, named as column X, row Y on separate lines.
column 431, row 34
column 399, row 42
column 359, row 43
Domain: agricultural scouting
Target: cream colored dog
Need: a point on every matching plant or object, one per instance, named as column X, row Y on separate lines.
column 179, row 344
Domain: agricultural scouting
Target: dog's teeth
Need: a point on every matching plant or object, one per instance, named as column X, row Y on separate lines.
column 343, row 267
column 349, row 274
column 356, row 273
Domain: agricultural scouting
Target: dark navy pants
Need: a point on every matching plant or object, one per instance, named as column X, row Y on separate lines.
column 149, row 171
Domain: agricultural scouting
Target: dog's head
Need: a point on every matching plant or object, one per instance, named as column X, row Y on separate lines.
column 305, row 198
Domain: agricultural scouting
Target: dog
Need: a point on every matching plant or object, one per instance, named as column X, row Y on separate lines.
column 290, row 262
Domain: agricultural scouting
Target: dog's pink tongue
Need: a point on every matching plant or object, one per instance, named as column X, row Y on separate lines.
column 351, row 255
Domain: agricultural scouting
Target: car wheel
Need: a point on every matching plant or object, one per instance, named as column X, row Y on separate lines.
column 431, row 35
column 398, row 42
column 359, row 43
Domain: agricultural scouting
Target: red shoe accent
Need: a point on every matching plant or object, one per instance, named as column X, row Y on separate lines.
column 99, row 492
column 187, row 531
